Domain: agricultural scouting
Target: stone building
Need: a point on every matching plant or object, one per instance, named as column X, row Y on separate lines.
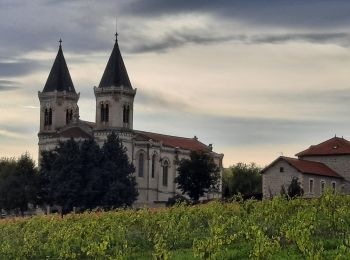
column 155, row 156
column 319, row 167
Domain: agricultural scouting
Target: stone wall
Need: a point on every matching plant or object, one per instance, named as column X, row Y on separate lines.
column 273, row 179
column 317, row 190
column 338, row 163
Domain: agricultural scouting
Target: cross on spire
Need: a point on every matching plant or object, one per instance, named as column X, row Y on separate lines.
column 116, row 29
column 60, row 41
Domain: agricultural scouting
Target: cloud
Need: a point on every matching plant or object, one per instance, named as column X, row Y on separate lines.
column 19, row 67
column 275, row 13
column 6, row 133
column 156, row 100
column 342, row 39
column 236, row 131
column 7, row 85
column 175, row 39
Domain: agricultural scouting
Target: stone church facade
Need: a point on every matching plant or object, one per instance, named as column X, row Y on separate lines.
column 155, row 156
column 320, row 167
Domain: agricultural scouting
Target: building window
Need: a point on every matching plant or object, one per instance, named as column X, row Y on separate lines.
column 323, row 184
column 69, row 115
column 126, row 114
column 46, row 117
column 165, row 173
column 106, row 113
column 333, row 187
column 281, row 169
column 153, row 165
column 311, row 186
column 102, row 113
column 141, row 163
column 50, row 116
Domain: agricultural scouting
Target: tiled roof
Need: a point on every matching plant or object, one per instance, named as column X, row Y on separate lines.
column 90, row 124
column 115, row 73
column 173, row 141
column 333, row 146
column 307, row 167
column 59, row 78
column 74, row 132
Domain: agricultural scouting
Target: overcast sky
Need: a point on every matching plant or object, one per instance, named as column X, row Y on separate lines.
column 256, row 78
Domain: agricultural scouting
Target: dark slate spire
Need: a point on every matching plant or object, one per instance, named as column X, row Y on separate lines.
column 115, row 73
column 59, row 78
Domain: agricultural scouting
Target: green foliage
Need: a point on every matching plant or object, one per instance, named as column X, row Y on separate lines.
column 197, row 175
column 18, row 183
column 273, row 229
column 117, row 175
column 242, row 178
column 86, row 176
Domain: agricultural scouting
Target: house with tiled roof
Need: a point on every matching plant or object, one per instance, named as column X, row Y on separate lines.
column 155, row 156
column 319, row 167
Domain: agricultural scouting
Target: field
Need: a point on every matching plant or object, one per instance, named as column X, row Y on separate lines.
column 275, row 229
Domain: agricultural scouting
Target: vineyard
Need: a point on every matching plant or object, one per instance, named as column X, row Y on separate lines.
column 274, row 229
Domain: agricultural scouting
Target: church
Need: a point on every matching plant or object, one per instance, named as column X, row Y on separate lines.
column 155, row 156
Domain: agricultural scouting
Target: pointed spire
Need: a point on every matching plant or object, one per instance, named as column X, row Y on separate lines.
column 116, row 29
column 115, row 73
column 59, row 78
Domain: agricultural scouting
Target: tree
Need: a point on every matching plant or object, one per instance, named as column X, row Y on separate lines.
column 84, row 175
column 242, row 178
column 18, row 183
column 62, row 176
column 117, row 175
column 295, row 189
column 91, row 159
column 197, row 175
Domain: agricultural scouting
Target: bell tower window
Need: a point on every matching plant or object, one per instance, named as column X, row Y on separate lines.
column 126, row 114
column 50, row 117
column 46, row 117
column 69, row 116
column 106, row 113
column 102, row 113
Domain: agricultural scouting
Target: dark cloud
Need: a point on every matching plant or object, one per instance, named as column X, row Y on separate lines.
column 297, row 13
column 159, row 100
column 7, row 85
column 239, row 131
column 18, row 68
column 88, row 26
column 321, row 38
column 177, row 39
column 172, row 39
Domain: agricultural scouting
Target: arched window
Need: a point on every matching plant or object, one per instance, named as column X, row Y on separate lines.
column 102, row 113
column 69, row 115
column 154, row 157
column 106, row 113
column 124, row 114
column 50, row 116
column 127, row 114
column 46, row 117
column 165, row 173
column 141, row 163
